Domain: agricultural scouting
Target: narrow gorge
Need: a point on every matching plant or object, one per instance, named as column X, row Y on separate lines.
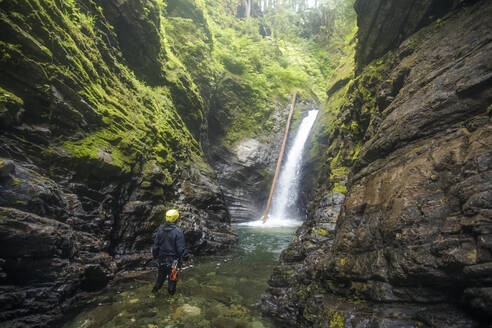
column 114, row 111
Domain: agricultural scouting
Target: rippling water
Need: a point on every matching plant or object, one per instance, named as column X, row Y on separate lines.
column 216, row 292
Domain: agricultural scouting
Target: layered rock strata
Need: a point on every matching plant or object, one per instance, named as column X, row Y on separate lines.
column 90, row 155
column 399, row 229
column 244, row 169
column 384, row 24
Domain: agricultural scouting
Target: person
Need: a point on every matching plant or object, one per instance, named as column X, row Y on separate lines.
column 169, row 246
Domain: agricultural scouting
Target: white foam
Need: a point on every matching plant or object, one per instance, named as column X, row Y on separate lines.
column 287, row 189
column 273, row 222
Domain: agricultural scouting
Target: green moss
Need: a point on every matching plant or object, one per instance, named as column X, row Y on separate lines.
column 355, row 152
column 414, row 150
column 339, row 188
column 7, row 97
column 334, row 161
column 354, row 126
column 16, row 181
column 337, row 320
column 145, row 184
column 355, row 300
column 320, row 231
column 339, row 172
column 140, row 122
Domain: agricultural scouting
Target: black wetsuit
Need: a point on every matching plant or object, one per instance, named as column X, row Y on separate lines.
column 169, row 245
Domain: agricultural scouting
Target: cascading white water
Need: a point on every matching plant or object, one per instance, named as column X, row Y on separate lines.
column 287, row 188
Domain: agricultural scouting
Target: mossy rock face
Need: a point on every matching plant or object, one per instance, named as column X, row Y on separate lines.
column 137, row 26
column 88, row 90
column 11, row 108
column 228, row 123
column 95, row 114
column 391, row 170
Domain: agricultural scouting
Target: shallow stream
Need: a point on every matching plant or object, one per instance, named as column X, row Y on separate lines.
column 218, row 292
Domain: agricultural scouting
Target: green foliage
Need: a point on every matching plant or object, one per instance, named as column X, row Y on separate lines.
column 274, row 64
column 203, row 46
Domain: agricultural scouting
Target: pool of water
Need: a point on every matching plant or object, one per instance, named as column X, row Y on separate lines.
column 216, row 292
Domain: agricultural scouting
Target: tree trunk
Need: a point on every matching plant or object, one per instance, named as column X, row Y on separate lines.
column 248, row 8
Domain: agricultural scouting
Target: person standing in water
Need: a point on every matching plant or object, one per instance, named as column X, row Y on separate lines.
column 169, row 246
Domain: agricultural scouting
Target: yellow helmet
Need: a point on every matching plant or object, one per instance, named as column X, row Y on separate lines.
column 172, row 215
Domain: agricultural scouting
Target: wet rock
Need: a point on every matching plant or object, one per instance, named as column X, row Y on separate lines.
column 244, row 169
column 241, row 179
column 186, row 311
column 383, row 25
column 82, row 191
column 7, row 167
column 44, row 262
column 413, row 228
column 479, row 300
column 137, row 26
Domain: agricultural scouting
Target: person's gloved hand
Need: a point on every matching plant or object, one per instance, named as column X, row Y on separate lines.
column 186, row 261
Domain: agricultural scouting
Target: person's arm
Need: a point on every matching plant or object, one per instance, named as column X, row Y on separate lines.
column 155, row 247
column 181, row 246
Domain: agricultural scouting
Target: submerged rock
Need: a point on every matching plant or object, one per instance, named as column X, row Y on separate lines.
column 186, row 311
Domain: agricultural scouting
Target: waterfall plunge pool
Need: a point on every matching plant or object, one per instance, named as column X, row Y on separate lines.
column 216, row 292
column 219, row 291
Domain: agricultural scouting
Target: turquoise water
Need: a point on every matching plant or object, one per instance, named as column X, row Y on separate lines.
column 216, row 292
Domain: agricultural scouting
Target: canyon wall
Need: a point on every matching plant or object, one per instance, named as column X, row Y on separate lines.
column 100, row 116
column 399, row 227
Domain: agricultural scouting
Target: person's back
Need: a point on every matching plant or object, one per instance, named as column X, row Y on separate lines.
column 169, row 246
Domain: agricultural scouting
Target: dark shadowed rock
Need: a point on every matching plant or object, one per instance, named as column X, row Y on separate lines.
column 137, row 26
column 414, row 228
column 384, row 24
column 90, row 156
column 44, row 264
column 245, row 168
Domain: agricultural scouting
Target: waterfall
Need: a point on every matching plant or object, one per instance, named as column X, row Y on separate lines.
column 284, row 211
